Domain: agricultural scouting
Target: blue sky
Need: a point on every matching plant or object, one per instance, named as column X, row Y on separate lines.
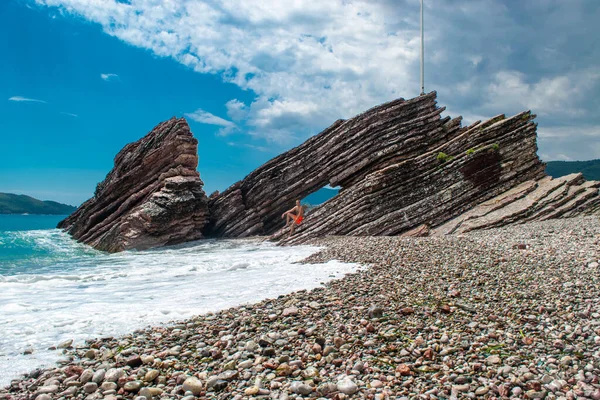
column 81, row 78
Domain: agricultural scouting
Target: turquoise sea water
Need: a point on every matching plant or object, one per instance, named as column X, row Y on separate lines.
column 54, row 289
column 21, row 222
column 18, row 254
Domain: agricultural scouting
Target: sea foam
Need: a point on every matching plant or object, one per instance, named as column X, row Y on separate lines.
column 57, row 289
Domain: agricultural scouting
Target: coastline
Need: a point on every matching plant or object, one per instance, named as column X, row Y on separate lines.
column 510, row 312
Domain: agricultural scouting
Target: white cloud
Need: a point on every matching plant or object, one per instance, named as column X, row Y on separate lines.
column 556, row 95
column 204, row 117
column 310, row 62
column 109, row 77
column 69, row 114
column 570, row 131
column 248, row 146
column 25, row 99
column 236, row 110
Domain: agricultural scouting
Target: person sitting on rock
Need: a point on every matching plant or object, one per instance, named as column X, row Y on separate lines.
column 294, row 216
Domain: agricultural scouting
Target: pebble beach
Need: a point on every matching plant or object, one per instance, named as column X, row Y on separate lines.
column 505, row 313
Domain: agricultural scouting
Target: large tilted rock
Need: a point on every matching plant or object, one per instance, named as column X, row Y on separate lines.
column 152, row 197
column 341, row 155
column 478, row 163
column 399, row 165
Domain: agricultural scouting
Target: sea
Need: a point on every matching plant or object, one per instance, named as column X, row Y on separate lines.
column 53, row 289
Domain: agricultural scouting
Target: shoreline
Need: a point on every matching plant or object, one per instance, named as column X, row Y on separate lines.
column 511, row 312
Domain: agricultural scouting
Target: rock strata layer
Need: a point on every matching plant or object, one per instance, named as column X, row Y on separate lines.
column 152, row 197
column 547, row 198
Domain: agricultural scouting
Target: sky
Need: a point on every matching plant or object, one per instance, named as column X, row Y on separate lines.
column 79, row 79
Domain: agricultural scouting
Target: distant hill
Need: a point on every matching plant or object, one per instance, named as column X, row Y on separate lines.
column 320, row 196
column 590, row 169
column 21, row 204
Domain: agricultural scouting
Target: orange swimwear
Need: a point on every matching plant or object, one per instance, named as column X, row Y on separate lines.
column 298, row 220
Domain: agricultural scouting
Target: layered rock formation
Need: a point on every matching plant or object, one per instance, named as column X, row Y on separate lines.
column 342, row 155
column 547, row 198
column 402, row 169
column 477, row 163
column 401, row 166
column 152, row 197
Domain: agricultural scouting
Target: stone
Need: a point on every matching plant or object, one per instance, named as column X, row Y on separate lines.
column 403, row 370
column 359, row 366
column 66, row 344
column 193, row 385
column 376, row 384
column 134, row 361
column 289, row 311
column 216, row 384
column 493, row 359
column 251, row 391
column 338, row 342
column 152, row 197
column 300, row 388
column 90, row 387
column 251, row 346
column 146, row 392
column 73, row 370
column 132, row 386
column 99, row 376
column 482, row 390
column 48, row 389
column 347, row 386
column 113, row 374
column 151, row 375
column 86, row 376
column 375, row 312
column 314, row 305
column 108, row 386
column 147, row 359
column 91, row 354
column 326, row 388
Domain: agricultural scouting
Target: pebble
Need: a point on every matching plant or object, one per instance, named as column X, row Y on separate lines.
column 98, row 376
column 376, row 384
column 132, row 386
column 347, row 386
column 66, row 344
column 86, row 376
column 48, row 389
column 90, row 387
column 300, row 388
column 290, row 311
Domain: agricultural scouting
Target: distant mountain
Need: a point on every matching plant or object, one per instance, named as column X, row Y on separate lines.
column 320, row 196
column 21, row 204
column 590, row 169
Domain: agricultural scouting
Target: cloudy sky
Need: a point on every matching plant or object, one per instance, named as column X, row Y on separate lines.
column 85, row 77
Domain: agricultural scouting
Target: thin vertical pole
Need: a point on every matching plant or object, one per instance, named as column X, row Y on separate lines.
column 422, row 53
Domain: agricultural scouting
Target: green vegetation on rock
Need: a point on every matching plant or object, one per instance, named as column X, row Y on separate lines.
column 22, row 204
column 443, row 157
